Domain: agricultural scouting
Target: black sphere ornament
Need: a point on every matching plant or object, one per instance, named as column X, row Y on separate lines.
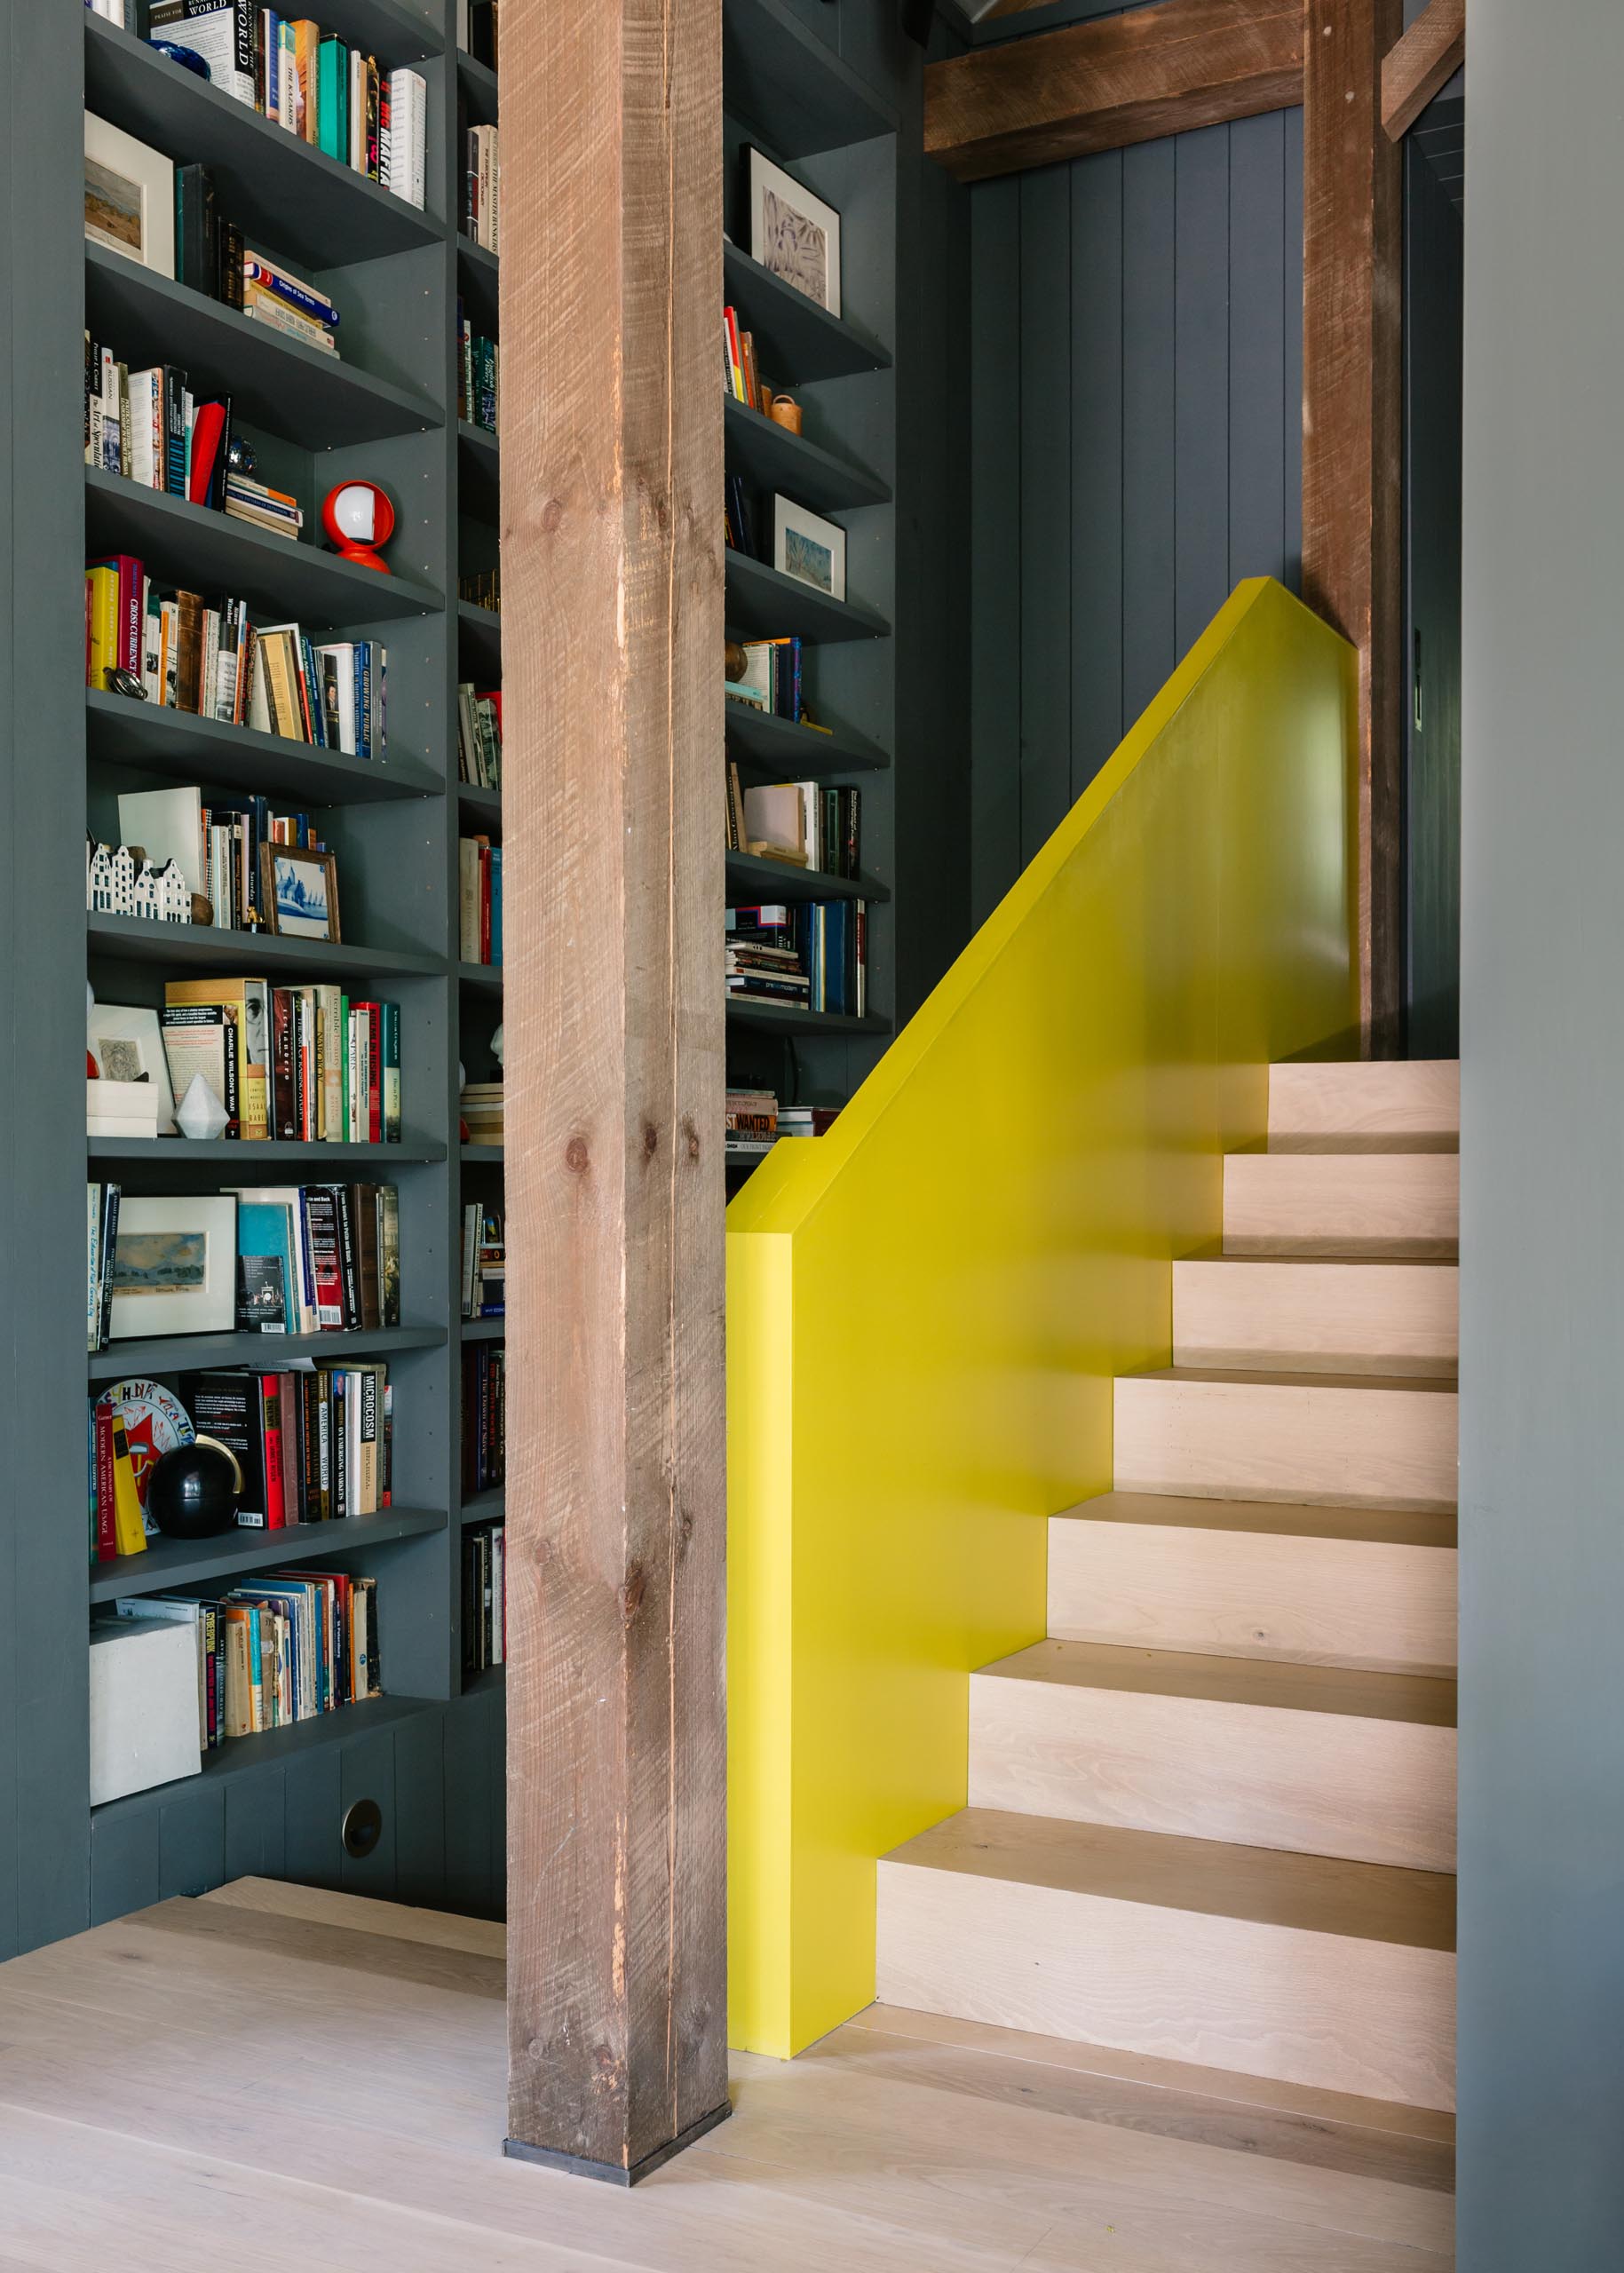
column 195, row 1490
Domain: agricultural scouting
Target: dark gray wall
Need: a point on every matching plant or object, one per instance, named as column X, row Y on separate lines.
column 1135, row 377
column 1542, row 1213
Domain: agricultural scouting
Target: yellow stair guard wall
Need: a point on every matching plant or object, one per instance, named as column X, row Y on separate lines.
column 927, row 1306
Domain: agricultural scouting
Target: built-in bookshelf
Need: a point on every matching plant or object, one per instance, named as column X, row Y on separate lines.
column 787, row 92
column 384, row 410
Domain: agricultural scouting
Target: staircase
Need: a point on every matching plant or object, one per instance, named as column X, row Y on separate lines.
column 1212, row 1815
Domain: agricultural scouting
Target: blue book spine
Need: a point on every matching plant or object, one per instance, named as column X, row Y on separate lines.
column 263, row 1228
column 496, row 903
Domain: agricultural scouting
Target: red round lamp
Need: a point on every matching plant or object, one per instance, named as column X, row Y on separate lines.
column 358, row 518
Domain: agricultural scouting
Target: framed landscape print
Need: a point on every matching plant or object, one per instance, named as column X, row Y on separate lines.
column 129, row 196
column 174, row 1266
column 301, row 892
column 794, row 235
column 807, row 547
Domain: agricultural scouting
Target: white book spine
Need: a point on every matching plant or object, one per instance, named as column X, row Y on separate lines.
column 407, row 136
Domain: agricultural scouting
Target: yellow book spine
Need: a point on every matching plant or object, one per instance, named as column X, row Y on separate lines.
column 129, row 1531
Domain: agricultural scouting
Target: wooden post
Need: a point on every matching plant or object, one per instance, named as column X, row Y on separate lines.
column 612, row 497
column 1353, row 441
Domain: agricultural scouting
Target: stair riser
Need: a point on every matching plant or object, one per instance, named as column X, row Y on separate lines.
column 1310, row 1783
column 1239, row 1440
column 1399, row 1204
column 1400, row 1106
column 1367, row 2017
column 1248, row 1595
column 1327, row 1317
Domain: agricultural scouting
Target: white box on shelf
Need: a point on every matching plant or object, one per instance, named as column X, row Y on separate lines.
column 120, row 1108
column 143, row 1707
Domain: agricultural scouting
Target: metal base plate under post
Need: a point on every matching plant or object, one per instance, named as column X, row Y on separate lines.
column 617, row 2174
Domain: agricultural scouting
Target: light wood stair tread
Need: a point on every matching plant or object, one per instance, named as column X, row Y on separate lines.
column 1277, row 1518
column 1288, row 1687
column 1408, row 1384
column 1399, row 1104
column 1316, row 1894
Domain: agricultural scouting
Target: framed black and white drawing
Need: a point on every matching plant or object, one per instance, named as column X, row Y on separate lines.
column 794, row 235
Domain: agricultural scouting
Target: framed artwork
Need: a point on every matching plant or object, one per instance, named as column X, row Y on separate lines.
column 127, row 1043
column 301, row 892
column 808, row 548
column 175, row 1266
column 794, row 235
column 129, row 196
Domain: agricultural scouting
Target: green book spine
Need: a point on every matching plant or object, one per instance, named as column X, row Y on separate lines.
column 333, row 100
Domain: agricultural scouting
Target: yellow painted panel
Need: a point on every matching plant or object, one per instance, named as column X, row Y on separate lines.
column 928, row 1305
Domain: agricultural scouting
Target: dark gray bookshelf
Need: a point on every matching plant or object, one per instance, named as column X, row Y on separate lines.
column 765, row 604
column 773, row 458
column 763, row 743
column 170, row 1563
column 753, row 879
column 799, row 342
column 181, row 747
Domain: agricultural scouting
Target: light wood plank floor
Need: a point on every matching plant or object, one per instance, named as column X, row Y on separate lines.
column 271, row 2079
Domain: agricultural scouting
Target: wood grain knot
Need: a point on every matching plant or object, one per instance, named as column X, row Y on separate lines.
column 576, row 1157
column 631, row 1593
column 650, row 1140
column 552, row 513
column 691, row 1134
column 685, row 1527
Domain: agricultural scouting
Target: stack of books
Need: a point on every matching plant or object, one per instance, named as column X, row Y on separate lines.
column 750, row 1124
column 484, row 1406
column 479, row 883
column 481, row 1111
column 809, row 955
column 770, row 678
column 482, row 186
column 477, row 383
column 485, row 1597
column 311, row 81
column 807, row 1120
column 247, row 500
column 274, row 295
column 483, row 1263
column 478, row 737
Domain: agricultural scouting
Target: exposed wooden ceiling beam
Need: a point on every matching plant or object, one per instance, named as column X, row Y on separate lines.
column 1428, row 56
column 1120, row 79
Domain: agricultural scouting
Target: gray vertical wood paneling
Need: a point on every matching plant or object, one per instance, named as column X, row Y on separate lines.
column 1096, row 446
column 1045, row 402
column 1176, row 459
column 1149, row 426
column 1257, row 394
column 995, row 537
column 366, row 1772
column 1200, row 383
column 420, row 1823
column 192, row 1839
column 125, row 1871
column 257, row 1841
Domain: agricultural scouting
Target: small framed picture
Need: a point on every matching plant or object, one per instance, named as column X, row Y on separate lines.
column 808, row 548
column 127, row 1044
column 129, row 196
column 301, row 892
column 794, row 235
column 174, row 1266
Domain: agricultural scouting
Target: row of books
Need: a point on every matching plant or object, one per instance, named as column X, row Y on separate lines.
column 481, row 588
column 478, row 380
column 287, row 1647
column 481, row 214
column 808, row 954
column 485, row 1596
column 484, row 1263
column 476, row 29
column 480, row 903
column 213, row 257
column 335, row 97
column 755, row 1120
column 207, row 657
column 302, row 1064
column 219, row 848
column 482, row 1109
column 765, row 675
column 741, row 376
column 803, row 824
column 478, row 736
column 485, row 1413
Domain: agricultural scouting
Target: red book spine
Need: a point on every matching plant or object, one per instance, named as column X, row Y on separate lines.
column 106, row 1531
column 131, row 580
column 375, row 1073
column 485, row 903
column 271, row 1425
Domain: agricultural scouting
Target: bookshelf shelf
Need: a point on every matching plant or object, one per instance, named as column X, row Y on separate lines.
column 481, row 809
column 276, row 382
column 484, row 1329
column 271, row 1752
column 188, row 544
column 489, row 1156
column 478, row 275
column 187, row 747
column 764, row 604
column 304, row 203
column 797, row 341
column 788, row 750
column 752, row 879
column 488, row 1679
column 773, row 458
column 132, row 938
column 177, row 1353
column 779, row 1017
column 485, row 1507
column 782, row 75
column 477, row 84
column 484, row 978
column 480, row 641
column 230, row 1153
column 170, row 1563
column 479, row 464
